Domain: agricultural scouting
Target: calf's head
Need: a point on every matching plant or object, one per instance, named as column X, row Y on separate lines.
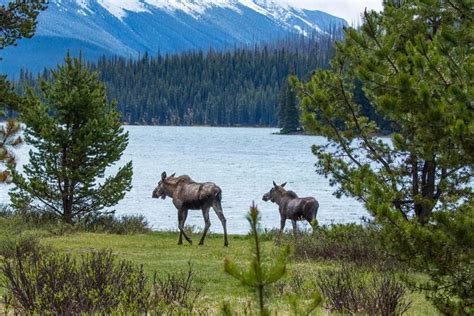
column 275, row 192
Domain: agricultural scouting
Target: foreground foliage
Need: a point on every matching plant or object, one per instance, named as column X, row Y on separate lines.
column 341, row 242
column 349, row 290
column 17, row 21
column 263, row 273
column 414, row 62
column 39, row 281
column 77, row 135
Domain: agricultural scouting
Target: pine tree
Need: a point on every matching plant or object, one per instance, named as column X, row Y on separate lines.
column 288, row 114
column 260, row 273
column 414, row 62
column 17, row 20
column 76, row 136
column 263, row 272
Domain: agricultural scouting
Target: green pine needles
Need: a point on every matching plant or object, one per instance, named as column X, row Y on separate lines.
column 288, row 112
column 76, row 135
column 261, row 273
column 17, row 21
column 414, row 62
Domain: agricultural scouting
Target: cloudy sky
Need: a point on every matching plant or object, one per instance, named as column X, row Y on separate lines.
column 349, row 10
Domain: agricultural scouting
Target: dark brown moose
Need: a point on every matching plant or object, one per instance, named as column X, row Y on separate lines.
column 190, row 195
column 291, row 206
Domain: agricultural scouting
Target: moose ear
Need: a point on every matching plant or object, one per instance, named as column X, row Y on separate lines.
column 172, row 176
column 275, row 184
column 283, row 185
column 163, row 175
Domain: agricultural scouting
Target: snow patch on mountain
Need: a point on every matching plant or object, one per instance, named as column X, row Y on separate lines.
column 131, row 27
column 119, row 8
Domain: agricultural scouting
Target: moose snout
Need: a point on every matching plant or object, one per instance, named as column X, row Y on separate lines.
column 265, row 197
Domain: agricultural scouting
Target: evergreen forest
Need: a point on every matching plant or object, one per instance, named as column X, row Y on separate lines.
column 234, row 87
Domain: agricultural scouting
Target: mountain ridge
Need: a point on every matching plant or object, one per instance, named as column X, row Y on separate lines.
column 129, row 28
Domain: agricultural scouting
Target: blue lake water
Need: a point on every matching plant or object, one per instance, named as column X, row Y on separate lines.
column 242, row 161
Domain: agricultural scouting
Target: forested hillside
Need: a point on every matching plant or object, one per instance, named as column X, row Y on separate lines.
column 233, row 87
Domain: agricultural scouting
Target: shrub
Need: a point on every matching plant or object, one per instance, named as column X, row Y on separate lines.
column 99, row 283
column 20, row 246
column 5, row 211
column 343, row 242
column 348, row 290
column 296, row 283
column 176, row 292
column 59, row 284
column 123, row 225
column 49, row 221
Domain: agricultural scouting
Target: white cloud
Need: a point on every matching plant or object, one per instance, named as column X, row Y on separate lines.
column 350, row 10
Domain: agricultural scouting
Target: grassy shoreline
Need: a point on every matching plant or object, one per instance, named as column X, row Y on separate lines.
column 159, row 252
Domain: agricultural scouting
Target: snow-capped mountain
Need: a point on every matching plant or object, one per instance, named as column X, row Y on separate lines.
column 131, row 27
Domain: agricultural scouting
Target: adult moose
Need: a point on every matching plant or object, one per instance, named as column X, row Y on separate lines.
column 190, row 195
column 291, row 206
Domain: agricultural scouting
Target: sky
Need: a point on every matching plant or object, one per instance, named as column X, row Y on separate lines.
column 349, row 10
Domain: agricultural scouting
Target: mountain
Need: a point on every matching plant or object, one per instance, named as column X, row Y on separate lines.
column 129, row 28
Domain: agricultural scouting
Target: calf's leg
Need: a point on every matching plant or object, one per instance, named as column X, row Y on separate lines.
column 218, row 209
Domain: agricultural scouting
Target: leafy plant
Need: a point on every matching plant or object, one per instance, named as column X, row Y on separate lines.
column 37, row 281
column 348, row 290
column 59, row 284
column 354, row 243
column 177, row 291
column 109, row 223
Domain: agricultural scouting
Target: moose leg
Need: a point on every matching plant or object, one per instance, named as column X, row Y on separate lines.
column 218, row 209
column 207, row 224
column 185, row 215
column 295, row 227
column 182, row 214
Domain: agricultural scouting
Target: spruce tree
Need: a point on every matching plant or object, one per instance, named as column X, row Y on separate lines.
column 414, row 63
column 17, row 20
column 76, row 136
column 288, row 114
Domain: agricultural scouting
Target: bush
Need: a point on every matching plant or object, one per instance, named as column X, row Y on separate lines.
column 97, row 284
column 58, row 284
column 123, row 225
column 20, row 247
column 49, row 221
column 348, row 290
column 176, row 292
column 342, row 242
column 296, row 283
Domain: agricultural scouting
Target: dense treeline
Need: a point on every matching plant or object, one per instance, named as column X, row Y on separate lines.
column 232, row 87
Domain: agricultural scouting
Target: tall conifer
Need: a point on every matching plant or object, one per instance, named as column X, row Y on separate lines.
column 76, row 136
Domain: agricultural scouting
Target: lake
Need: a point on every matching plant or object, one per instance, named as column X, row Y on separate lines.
column 242, row 161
